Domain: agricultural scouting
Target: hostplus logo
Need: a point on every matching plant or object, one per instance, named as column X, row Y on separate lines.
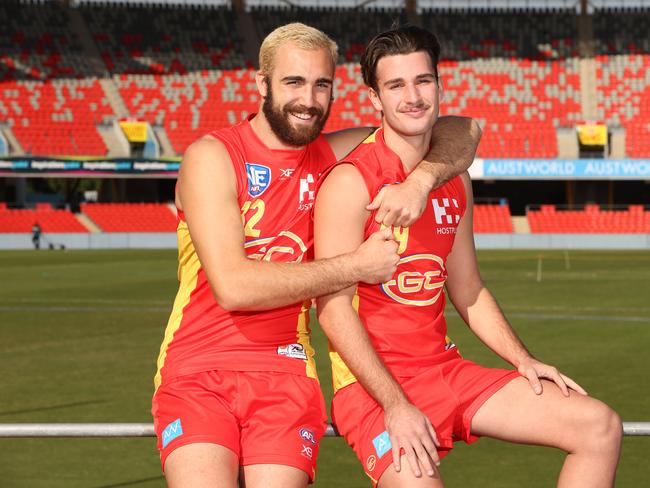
column 307, row 192
column 447, row 214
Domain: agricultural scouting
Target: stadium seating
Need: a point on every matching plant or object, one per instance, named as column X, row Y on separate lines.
column 183, row 71
column 592, row 219
column 516, row 72
column 50, row 220
column 46, row 94
column 623, row 64
column 131, row 217
column 492, row 219
column 350, row 28
column 187, row 69
column 188, row 106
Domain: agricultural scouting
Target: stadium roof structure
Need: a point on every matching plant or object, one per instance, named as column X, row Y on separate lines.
column 382, row 4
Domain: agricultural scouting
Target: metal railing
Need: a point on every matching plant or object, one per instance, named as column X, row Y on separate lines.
column 146, row 430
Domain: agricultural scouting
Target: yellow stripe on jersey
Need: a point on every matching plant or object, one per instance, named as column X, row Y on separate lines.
column 341, row 374
column 371, row 138
column 188, row 272
column 303, row 333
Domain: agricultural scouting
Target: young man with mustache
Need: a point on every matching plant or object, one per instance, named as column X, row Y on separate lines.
column 417, row 368
column 237, row 400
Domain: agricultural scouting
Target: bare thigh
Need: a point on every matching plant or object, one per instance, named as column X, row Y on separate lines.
column 406, row 479
column 273, row 476
column 202, row 465
column 516, row 414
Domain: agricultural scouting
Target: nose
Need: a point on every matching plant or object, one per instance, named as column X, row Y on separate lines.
column 307, row 96
column 411, row 94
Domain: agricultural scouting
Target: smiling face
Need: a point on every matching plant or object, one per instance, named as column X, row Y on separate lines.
column 298, row 93
column 407, row 93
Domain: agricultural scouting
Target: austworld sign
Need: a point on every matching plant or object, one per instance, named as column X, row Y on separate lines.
column 564, row 168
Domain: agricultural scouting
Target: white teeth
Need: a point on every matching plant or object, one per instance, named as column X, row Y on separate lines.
column 301, row 116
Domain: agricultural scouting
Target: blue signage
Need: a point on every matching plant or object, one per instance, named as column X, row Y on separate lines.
column 566, row 168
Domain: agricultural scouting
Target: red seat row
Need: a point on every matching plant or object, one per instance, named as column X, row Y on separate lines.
column 634, row 220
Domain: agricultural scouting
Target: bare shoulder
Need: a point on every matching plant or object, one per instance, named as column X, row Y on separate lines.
column 343, row 177
column 207, row 147
column 206, row 169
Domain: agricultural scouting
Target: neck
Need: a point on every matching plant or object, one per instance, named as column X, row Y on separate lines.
column 411, row 149
column 262, row 129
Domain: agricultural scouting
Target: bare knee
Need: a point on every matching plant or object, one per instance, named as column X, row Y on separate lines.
column 600, row 430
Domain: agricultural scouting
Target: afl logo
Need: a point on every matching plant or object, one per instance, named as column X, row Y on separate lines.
column 307, row 435
column 419, row 281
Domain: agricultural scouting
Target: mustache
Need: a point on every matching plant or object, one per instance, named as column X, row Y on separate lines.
column 415, row 106
column 303, row 109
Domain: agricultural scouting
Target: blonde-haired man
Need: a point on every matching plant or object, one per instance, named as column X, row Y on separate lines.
column 237, row 400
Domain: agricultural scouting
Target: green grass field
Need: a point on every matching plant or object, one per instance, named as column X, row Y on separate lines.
column 80, row 331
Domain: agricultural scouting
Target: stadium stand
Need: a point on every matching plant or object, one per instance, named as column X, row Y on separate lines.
column 516, row 72
column 623, row 64
column 492, row 219
column 131, row 217
column 633, row 220
column 50, row 220
column 46, row 96
column 180, row 68
column 350, row 28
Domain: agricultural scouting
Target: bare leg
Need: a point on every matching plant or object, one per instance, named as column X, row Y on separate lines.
column 202, row 465
column 273, row 476
column 406, row 479
column 587, row 429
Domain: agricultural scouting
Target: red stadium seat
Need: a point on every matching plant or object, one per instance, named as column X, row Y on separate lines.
column 131, row 217
column 50, row 220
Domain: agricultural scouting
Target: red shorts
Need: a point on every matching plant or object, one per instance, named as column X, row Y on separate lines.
column 263, row 417
column 449, row 394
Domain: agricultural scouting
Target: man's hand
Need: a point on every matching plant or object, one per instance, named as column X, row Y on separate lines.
column 534, row 370
column 402, row 204
column 377, row 257
column 411, row 430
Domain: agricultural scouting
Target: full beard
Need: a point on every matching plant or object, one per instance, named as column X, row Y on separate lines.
column 278, row 118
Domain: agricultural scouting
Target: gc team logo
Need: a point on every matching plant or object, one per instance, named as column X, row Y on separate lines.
column 259, row 178
column 419, row 281
column 286, row 247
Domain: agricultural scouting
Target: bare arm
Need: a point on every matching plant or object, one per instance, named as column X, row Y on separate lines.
column 454, row 142
column 340, row 216
column 478, row 308
column 207, row 195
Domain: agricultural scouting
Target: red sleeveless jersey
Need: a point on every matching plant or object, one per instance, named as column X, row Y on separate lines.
column 276, row 190
column 405, row 315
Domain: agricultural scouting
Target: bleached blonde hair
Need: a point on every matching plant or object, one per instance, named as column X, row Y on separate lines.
column 303, row 36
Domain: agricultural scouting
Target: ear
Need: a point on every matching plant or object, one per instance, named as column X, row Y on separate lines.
column 260, row 80
column 441, row 91
column 375, row 100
